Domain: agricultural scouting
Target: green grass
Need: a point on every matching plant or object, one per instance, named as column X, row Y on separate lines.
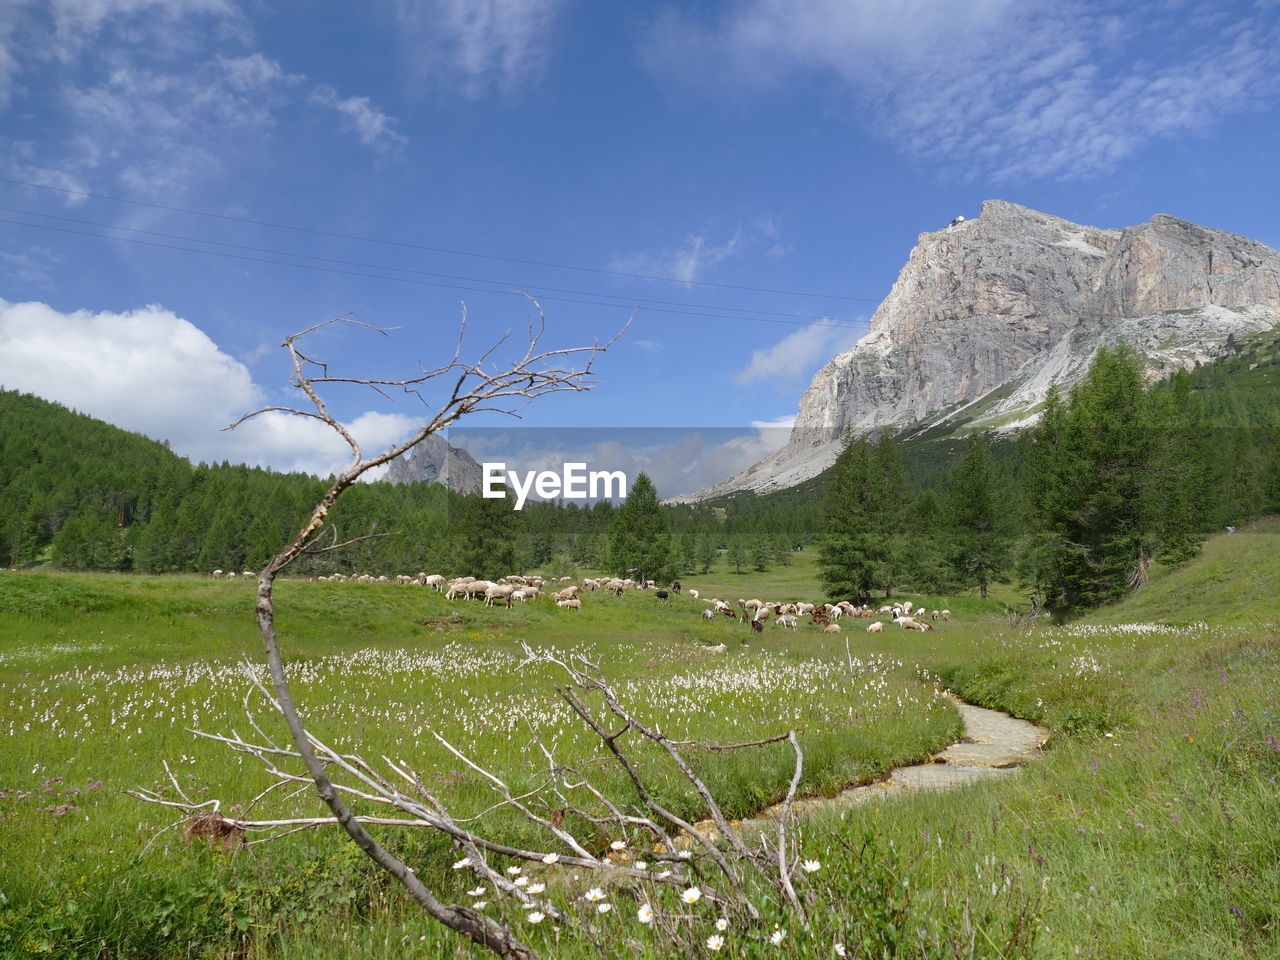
column 1148, row 830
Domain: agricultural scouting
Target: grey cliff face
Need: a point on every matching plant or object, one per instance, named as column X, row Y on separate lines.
column 1021, row 300
column 435, row 461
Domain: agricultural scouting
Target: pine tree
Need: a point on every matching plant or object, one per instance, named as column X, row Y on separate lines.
column 854, row 545
column 979, row 540
column 485, row 537
column 640, row 544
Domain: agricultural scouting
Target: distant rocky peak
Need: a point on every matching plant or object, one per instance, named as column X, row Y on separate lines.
column 988, row 313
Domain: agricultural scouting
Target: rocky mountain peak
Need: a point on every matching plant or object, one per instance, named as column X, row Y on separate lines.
column 990, row 312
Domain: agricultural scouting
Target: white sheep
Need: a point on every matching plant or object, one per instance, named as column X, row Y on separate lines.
column 708, row 615
column 786, row 621
column 570, row 604
column 831, row 628
column 693, row 593
column 946, row 614
column 875, row 626
column 217, row 574
column 499, row 591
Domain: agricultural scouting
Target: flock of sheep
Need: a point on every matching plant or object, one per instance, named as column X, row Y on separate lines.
column 787, row 615
column 513, row 589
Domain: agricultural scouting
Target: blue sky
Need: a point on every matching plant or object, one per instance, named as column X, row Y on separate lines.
column 780, row 145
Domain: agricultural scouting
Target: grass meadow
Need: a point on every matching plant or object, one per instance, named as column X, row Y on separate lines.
column 1148, row 829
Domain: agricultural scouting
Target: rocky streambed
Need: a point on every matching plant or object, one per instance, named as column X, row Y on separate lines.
column 995, row 745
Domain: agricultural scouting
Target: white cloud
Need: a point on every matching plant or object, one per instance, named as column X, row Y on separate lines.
column 159, row 95
column 1000, row 87
column 797, row 354
column 478, row 45
column 11, row 15
column 77, row 23
column 151, row 371
column 373, row 127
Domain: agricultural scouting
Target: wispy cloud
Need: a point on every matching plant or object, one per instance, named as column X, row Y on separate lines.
column 701, row 253
column 478, row 46
column 158, row 95
column 371, row 126
column 1003, row 88
column 796, row 355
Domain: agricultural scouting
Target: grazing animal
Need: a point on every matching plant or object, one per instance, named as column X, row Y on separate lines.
column 694, row 594
column 875, row 627
column 570, row 604
column 708, row 615
column 935, row 615
column 675, row 586
column 787, row 621
column 217, row 574
column 728, row 612
column 831, row 628
column 757, row 626
column 946, row 614
column 820, row 618
column 661, row 594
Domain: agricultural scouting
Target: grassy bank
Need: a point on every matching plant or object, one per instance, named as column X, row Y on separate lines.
column 1147, row 830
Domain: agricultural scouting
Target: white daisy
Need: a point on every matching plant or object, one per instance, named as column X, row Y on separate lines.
column 715, row 942
column 645, row 914
column 551, row 858
column 536, row 917
column 692, row 895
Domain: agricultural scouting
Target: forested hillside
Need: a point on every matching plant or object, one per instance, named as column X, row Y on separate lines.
column 1135, row 472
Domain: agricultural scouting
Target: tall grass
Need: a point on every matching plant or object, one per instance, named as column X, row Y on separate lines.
column 1149, row 829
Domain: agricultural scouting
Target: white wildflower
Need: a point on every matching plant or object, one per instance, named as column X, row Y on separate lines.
column 645, row 914
column 551, row 858
column 522, row 881
column 777, row 937
column 715, row 942
column 464, row 862
column 513, row 870
column 692, row 895
column 812, row 866
column 477, row 892
column 594, row 894
column 537, row 887
column 722, row 924
column 536, row 917
column 603, row 907
column 641, row 865
column 618, row 845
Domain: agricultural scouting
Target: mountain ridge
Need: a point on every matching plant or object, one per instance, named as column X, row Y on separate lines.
column 995, row 310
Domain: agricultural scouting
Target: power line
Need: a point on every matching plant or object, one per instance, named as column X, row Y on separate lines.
column 424, row 273
column 417, row 246
column 410, row 280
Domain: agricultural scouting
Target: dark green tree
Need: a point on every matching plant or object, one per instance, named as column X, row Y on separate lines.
column 485, row 536
column 640, row 542
column 855, row 542
column 978, row 524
